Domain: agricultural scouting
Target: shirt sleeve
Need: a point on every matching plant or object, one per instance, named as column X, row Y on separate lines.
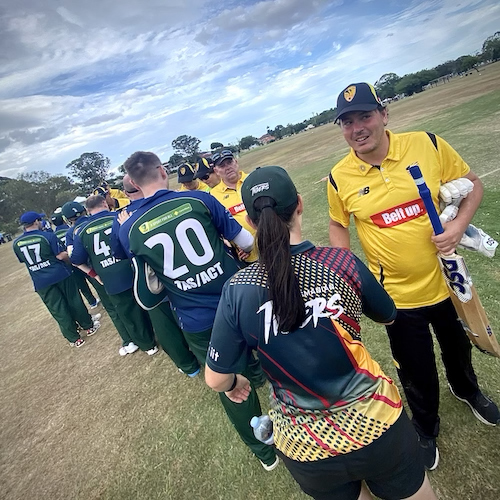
column 453, row 165
column 79, row 254
column 376, row 302
column 223, row 220
column 337, row 210
column 117, row 249
column 69, row 237
column 228, row 351
column 55, row 245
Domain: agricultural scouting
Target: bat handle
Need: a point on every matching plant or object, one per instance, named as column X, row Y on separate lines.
column 426, row 196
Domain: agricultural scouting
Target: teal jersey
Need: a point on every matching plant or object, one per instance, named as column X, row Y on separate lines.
column 180, row 236
column 60, row 232
column 38, row 250
column 91, row 241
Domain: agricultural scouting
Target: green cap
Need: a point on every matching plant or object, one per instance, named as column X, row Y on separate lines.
column 273, row 182
column 72, row 209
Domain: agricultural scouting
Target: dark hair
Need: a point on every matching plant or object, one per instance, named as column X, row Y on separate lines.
column 142, row 167
column 273, row 242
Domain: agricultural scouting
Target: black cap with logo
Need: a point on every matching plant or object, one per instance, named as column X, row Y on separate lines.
column 357, row 97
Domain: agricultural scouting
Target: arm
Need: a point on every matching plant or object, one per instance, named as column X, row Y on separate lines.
column 339, row 235
column 236, row 387
column 64, row 257
column 447, row 241
column 244, row 240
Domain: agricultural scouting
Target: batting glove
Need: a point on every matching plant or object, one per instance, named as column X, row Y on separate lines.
column 454, row 192
column 477, row 240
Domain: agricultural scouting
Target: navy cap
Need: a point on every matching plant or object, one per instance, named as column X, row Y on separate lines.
column 357, row 97
column 185, row 173
column 218, row 158
column 204, row 166
column 30, row 217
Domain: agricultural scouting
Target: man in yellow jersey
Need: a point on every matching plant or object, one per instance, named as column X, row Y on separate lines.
column 372, row 184
column 228, row 192
column 205, row 172
column 115, row 198
column 185, row 177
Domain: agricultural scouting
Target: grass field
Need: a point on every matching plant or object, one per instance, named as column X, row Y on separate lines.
column 88, row 424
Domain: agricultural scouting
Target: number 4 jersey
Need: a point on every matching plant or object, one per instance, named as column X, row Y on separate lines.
column 92, row 242
column 180, row 235
column 38, row 250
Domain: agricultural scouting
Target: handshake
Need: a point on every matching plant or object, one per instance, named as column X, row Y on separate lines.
column 451, row 195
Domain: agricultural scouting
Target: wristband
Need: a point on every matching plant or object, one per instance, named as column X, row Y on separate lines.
column 233, row 385
column 92, row 273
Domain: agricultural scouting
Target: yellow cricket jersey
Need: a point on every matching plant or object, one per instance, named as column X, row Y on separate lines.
column 231, row 199
column 390, row 217
column 120, row 197
column 201, row 187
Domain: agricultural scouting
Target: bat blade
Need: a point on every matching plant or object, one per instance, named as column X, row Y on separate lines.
column 463, row 294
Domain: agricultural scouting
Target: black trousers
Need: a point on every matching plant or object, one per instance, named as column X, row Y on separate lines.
column 412, row 349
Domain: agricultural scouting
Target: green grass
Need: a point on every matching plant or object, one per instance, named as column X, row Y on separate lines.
column 87, row 424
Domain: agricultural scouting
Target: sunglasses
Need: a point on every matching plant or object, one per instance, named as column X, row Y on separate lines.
column 205, row 177
column 132, row 191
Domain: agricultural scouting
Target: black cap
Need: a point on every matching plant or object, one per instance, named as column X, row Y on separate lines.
column 204, row 166
column 185, row 173
column 357, row 97
column 273, row 182
column 219, row 157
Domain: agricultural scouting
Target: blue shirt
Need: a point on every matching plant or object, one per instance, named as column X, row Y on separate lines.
column 71, row 230
column 116, row 247
column 38, row 250
column 91, row 241
column 179, row 234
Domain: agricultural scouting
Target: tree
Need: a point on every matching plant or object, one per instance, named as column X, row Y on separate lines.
column 248, row 141
column 175, row 160
column 216, row 145
column 466, row 63
column 386, row 85
column 187, row 146
column 90, row 169
column 446, row 68
column 491, row 48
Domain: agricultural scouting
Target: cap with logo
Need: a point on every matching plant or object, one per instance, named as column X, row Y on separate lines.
column 357, row 97
column 204, row 167
column 72, row 209
column 273, row 182
column 30, row 217
column 185, row 173
column 219, row 157
column 57, row 218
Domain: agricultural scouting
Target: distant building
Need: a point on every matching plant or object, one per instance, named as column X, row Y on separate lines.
column 267, row 138
column 309, row 127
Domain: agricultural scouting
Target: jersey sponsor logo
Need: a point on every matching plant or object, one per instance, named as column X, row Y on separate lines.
column 399, row 214
column 364, row 191
column 23, row 243
column 316, row 309
column 149, row 226
column 213, row 353
column 259, row 188
column 236, row 209
column 99, row 227
column 201, row 278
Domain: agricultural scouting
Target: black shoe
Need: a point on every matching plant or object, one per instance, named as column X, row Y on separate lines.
column 430, row 452
column 484, row 409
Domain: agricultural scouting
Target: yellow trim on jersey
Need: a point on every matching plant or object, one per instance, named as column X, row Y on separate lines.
column 392, row 225
column 231, row 199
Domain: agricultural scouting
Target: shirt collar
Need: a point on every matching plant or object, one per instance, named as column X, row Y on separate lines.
column 224, row 187
column 302, row 247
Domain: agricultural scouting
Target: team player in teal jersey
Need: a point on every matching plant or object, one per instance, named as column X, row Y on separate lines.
column 46, row 260
column 167, row 331
column 91, row 242
column 180, row 235
column 60, row 230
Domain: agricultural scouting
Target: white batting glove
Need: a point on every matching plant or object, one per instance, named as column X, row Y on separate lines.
column 477, row 240
column 448, row 214
column 454, row 192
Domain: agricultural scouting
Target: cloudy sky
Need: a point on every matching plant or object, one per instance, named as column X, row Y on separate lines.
column 115, row 77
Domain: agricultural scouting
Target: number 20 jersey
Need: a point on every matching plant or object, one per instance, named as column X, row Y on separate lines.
column 180, row 235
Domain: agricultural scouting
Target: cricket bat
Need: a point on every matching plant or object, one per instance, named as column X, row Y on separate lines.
column 462, row 291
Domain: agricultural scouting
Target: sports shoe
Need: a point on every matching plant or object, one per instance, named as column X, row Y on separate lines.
column 152, row 351
column 96, row 317
column 94, row 329
column 95, row 304
column 130, row 348
column 484, row 409
column 77, row 343
column 192, row 375
column 271, row 467
column 122, row 351
column 430, row 452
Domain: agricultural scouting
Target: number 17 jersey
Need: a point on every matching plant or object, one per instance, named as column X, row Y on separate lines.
column 180, row 235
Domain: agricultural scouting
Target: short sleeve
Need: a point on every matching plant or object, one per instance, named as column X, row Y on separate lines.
column 453, row 165
column 79, row 254
column 337, row 210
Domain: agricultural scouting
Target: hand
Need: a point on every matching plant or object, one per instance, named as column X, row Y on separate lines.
column 447, row 241
column 98, row 279
column 242, row 390
column 242, row 255
column 123, row 216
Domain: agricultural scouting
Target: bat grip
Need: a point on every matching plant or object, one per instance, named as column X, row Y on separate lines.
column 426, row 196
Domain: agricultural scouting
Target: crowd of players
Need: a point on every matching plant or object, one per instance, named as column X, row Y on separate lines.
column 159, row 261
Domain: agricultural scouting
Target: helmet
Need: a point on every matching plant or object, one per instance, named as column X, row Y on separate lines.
column 72, row 209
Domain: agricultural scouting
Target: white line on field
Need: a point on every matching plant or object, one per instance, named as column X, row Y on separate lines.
column 488, row 173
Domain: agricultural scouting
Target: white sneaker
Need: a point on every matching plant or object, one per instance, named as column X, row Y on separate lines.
column 271, row 467
column 122, row 351
column 95, row 304
column 131, row 347
column 152, row 352
column 96, row 317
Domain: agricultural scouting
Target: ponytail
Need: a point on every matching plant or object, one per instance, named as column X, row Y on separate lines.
column 273, row 243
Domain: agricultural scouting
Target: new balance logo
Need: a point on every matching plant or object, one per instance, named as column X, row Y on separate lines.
column 364, row 191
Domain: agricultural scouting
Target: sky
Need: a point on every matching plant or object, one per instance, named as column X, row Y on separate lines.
column 117, row 77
